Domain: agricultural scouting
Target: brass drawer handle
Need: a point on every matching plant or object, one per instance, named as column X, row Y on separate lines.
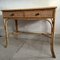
column 37, row 14
column 12, row 14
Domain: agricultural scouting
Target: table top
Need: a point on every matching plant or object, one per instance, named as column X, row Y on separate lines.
column 51, row 7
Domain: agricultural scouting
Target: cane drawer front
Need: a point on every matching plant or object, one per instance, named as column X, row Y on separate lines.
column 11, row 14
column 39, row 13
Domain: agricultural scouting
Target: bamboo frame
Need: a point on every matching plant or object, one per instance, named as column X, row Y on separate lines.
column 52, row 23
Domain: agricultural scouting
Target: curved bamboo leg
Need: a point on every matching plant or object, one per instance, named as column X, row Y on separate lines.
column 6, row 32
column 52, row 37
column 52, row 40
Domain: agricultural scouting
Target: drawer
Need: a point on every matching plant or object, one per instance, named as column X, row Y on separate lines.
column 12, row 14
column 39, row 13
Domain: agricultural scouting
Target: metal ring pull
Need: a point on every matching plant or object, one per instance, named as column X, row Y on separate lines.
column 37, row 14
column 12, row 14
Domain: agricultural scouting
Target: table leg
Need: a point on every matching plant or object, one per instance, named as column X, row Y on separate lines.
column 16, row 25
column 52, row 40
column 6, row 32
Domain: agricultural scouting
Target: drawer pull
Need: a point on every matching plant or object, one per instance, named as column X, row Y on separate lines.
column 12, row 14
column 36, row 14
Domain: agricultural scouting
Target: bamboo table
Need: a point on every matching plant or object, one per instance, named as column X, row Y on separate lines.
column 45, row 13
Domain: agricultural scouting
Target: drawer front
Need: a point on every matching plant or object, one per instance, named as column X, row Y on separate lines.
column 39, row 13
column 13, row 14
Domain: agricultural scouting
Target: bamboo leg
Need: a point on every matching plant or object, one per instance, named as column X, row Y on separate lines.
column 52, row 40
column 16, row 25
column 6, row 32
